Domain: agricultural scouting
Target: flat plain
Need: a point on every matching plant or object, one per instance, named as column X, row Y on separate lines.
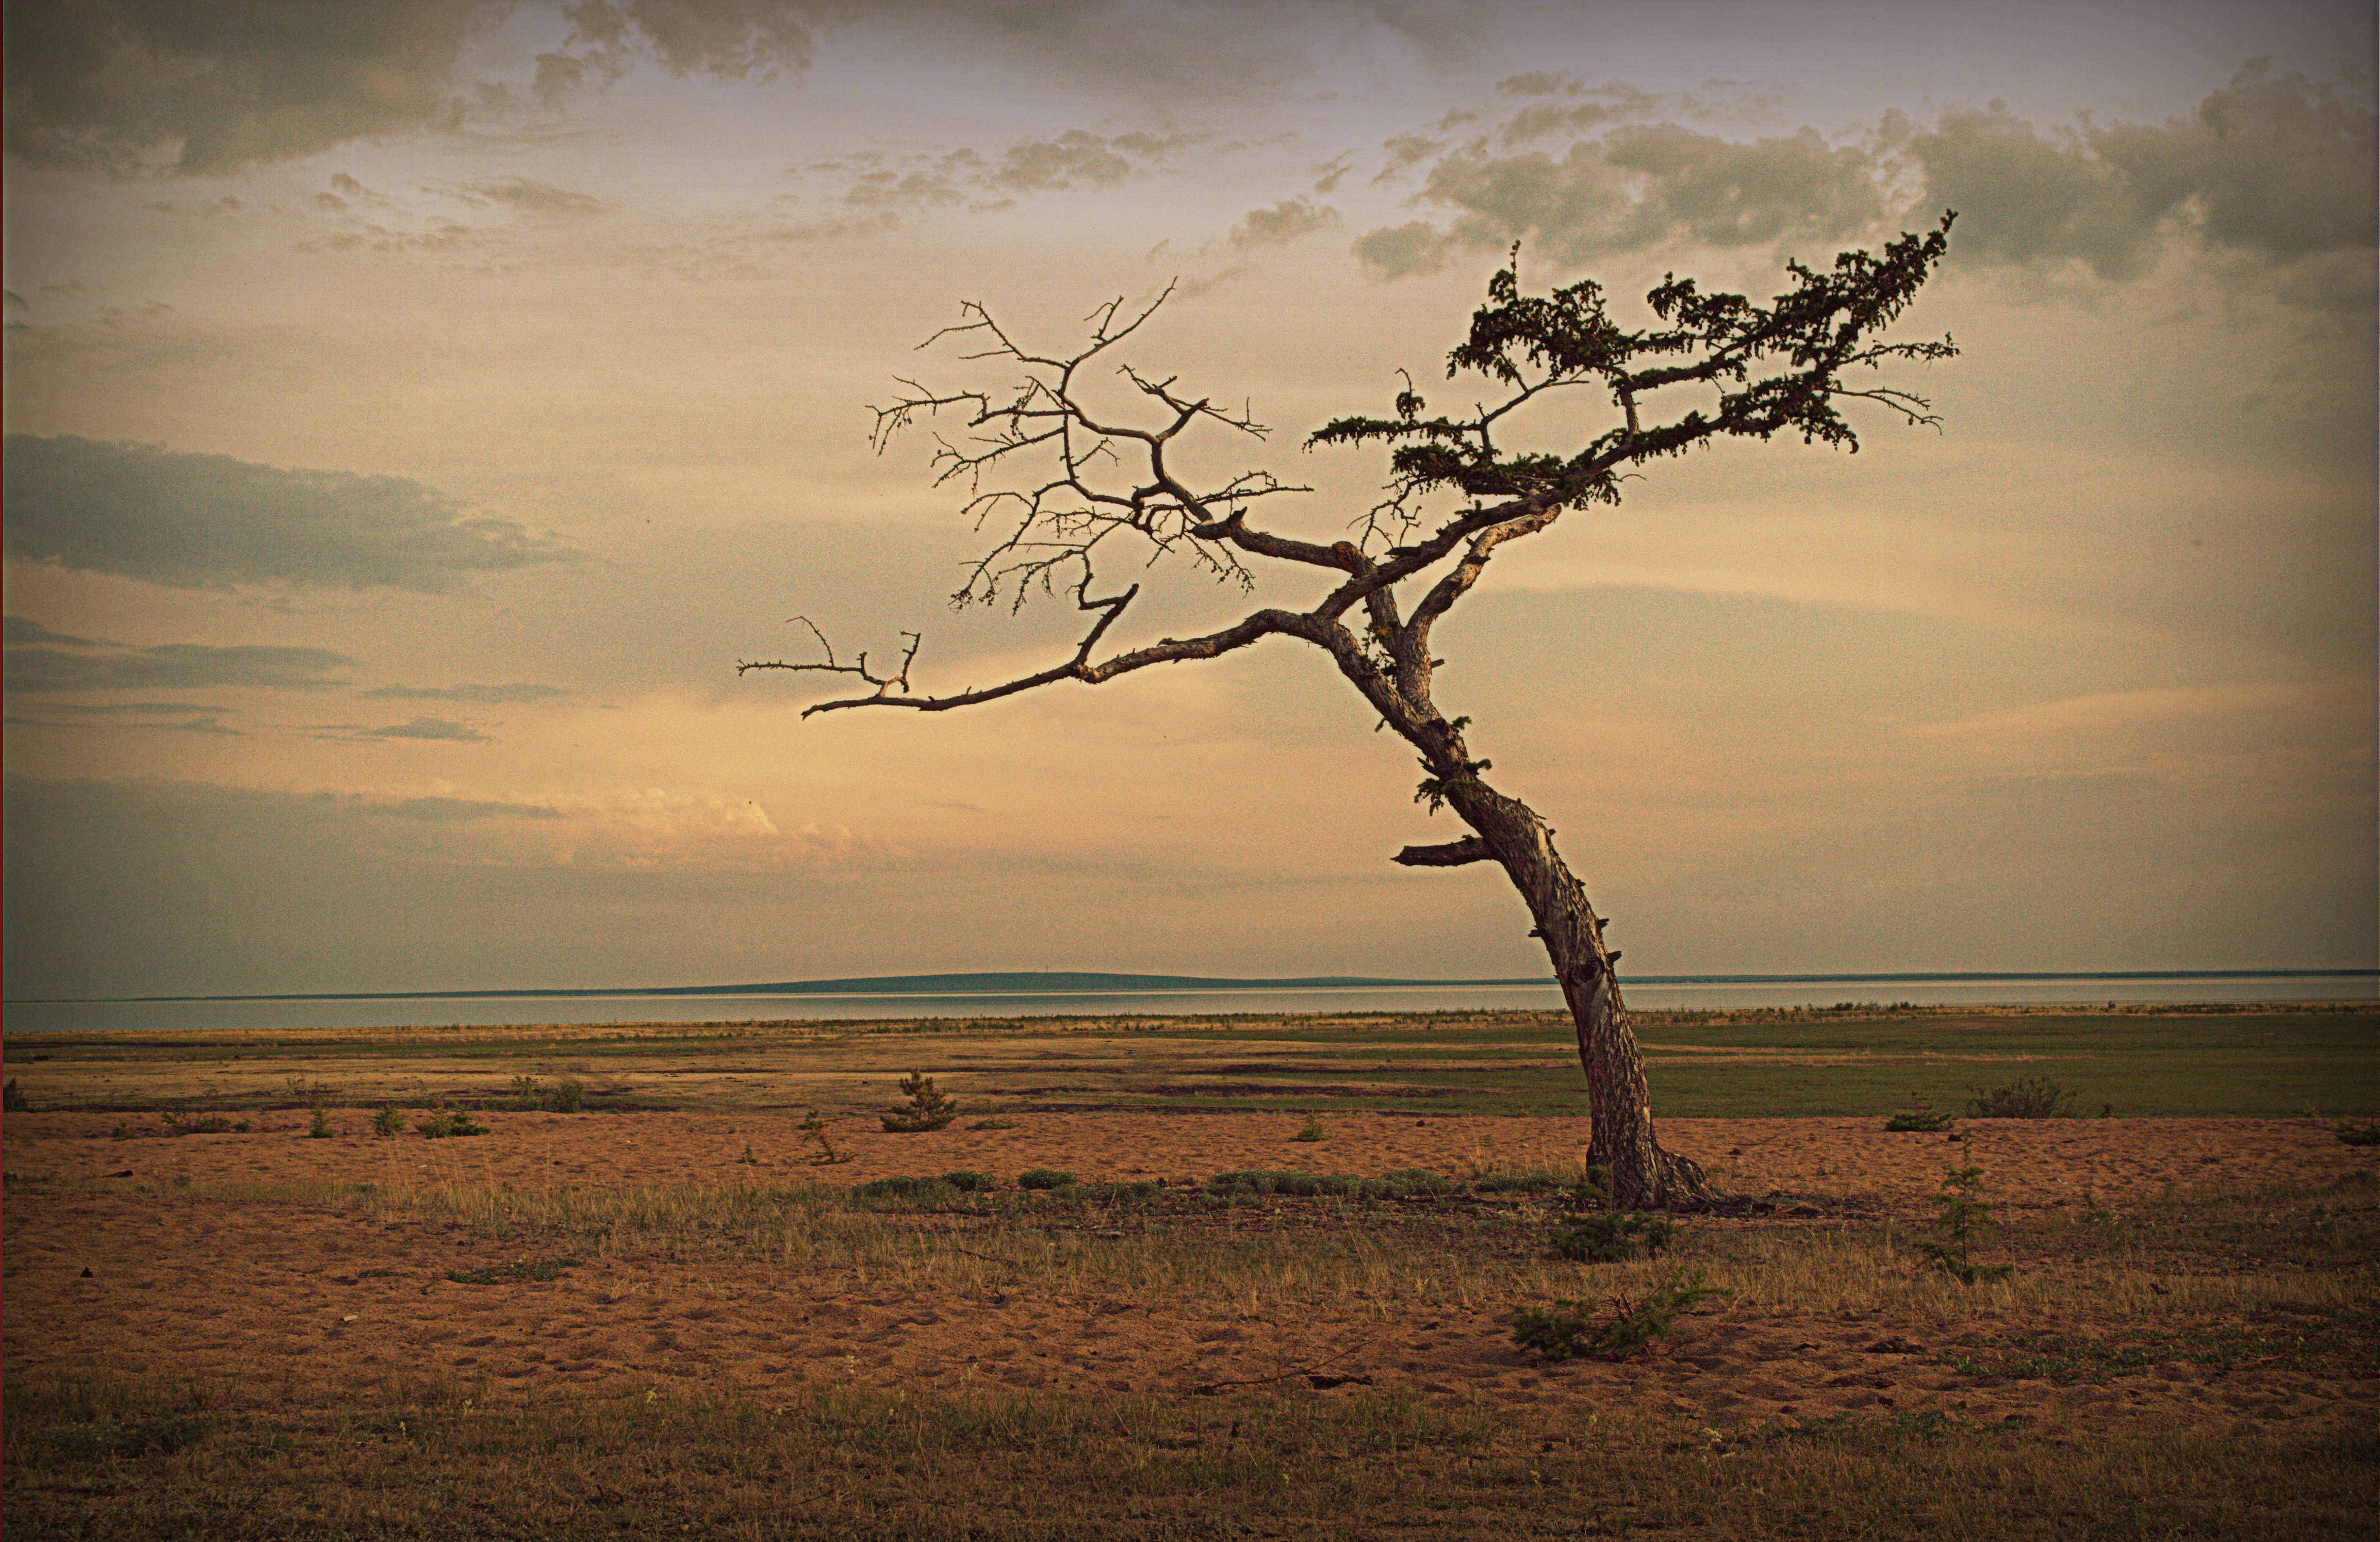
column 666, row 1311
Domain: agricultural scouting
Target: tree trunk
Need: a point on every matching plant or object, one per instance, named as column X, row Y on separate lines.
column 1643, row 1175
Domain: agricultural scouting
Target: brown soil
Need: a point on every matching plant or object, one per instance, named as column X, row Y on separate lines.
column 283, row 1301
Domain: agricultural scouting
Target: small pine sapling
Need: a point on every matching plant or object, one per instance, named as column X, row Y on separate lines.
column 1311, row 1130
column 928, row 1109
column 1613, row 1237
column 813, row 1133
column 1570, row 1329
column 1921, row 1116
column 389, row 1123
column 2365, row 1133
column 1966, row 1219
column 318, row 1128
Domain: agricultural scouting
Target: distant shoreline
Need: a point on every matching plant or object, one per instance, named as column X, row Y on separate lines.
column 1063, row 983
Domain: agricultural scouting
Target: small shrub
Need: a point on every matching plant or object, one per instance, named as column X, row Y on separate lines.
column 444, row 1123
column 1921, row 1116
column 319, row 1127
column 1593, row 1190
column 2027, row 1098
column 1045, row 1178
column 1614, row 1237
column 506, row 1274
column 1535, row 1181
column 911, row 1189
column 527, row 1094
column 928, row 1109
column 389, row 1123
column 748, row 1159
column 1965, row 1220
column 164, row 1435
column 966, row 1180
column 12, row 1097
column 125, row 1132
column 813, row 1133
column 1571, row 1328
column 565, row 1098
column 2365, row 1133
column 202, row 1125
column 1311, row 1130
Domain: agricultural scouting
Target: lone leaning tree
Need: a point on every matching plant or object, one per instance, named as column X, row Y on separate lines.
column 1760, row 370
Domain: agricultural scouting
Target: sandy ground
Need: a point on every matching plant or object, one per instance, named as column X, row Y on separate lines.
column 2028, row 1164
column 297, row 1302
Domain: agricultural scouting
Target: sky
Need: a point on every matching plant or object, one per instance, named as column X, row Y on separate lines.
column 417, row 408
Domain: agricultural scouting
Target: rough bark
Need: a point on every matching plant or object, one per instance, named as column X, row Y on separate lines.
column 1644, row 1176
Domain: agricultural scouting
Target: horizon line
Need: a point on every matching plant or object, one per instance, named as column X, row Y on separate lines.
column 1092, row 983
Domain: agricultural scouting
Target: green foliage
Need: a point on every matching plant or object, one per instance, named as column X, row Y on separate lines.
column 162, row 1436
column 966, row 1180
column 2365, row 1133
column 1044, row 1178
column 1406, row 1184
column 389, row 1123
column 1312, row 1129
column 1535, row 1180
column 512, row 1273
column 12, row 1097
column 1921, row 1116
column 928, row 1109
column 1614, row 1237
column 813, row 1133
column 908, row 1190
column 178, row 1123
column 561, row 1098
column 1965, row 1220
column 1820, row 332
column 319, row 1127
column 1435, row 791
column 445, row 1123
column 748, row 1159
column 2026, row 1098
column 1572, row 1329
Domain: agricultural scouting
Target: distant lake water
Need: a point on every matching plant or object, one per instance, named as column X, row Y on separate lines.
column 1708, row 991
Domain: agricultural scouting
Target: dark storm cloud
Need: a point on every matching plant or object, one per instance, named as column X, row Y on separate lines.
column 200, row 521
column 479, row 696
column 38, row 660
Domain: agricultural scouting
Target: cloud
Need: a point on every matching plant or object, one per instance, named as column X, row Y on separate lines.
column 447, row 810
column 479, row 696
column 124, row 86
column 428, row 728
column 1035, row 164
column 18, row 629
column 51, row 663
column 1282, row 224
column 200, row 521
column 2276, row 166
column 2272, row 176
column 1641, row 186
column 536, row 198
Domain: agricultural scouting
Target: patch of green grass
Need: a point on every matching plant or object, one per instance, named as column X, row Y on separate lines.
column 512, row 1273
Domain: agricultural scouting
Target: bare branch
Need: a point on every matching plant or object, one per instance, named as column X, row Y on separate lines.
column 1453, row 853
column 884, row 684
